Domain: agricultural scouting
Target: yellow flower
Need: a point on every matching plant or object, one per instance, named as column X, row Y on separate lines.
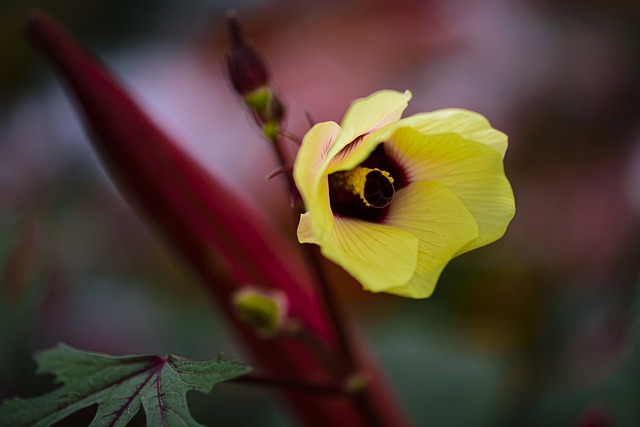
column 393, row 200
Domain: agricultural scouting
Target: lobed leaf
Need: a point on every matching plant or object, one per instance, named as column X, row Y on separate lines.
column 119, row 385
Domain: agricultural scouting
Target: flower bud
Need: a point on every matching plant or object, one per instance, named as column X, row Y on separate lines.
column 265, row 310
column 249, row 76
column 356, row 382
column 246, row 69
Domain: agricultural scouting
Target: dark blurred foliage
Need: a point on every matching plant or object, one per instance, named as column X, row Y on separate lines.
column 103, row 24
column 540, row 328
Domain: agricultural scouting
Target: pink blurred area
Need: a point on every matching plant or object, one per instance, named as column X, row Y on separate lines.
column 507, row 60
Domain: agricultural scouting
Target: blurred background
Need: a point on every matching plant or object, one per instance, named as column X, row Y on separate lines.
column 540, row 328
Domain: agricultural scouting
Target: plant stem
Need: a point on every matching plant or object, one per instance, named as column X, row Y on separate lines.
column 314, row 261
column 322, row 352
column 362, row 398
column 279, row 171
column 283, row 160
column 271, row 381
column 336, row 318
column 364, row 395
column 291, row 137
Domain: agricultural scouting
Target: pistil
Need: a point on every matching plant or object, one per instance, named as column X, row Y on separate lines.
column 374, row 186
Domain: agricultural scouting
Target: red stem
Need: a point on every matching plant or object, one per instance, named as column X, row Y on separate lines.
column 219, row 233
column 350, row 364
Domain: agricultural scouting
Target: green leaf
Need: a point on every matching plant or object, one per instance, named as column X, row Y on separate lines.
column 119, row 385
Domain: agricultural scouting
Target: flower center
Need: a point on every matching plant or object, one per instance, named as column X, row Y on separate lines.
column 366, row 191
column 374, row 186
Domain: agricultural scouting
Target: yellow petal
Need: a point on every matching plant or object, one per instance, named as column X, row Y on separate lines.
column 309, row 175
column 365, row 116
column 351, row 155
column 469, row 125
column 378, row 256
column 305, row 229
column 311, row 156
column 440, row 220
column 421, row 285
column 472, row 171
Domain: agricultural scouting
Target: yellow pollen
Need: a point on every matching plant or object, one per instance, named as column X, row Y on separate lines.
column 356, row 179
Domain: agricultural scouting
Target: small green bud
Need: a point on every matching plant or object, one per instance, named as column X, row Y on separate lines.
column 268, row 107
column 265, row 310
column 259, row 99
column 356, row 382
column 270, row 130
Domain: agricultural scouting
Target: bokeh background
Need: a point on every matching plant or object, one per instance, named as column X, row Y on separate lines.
column 541, row 328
